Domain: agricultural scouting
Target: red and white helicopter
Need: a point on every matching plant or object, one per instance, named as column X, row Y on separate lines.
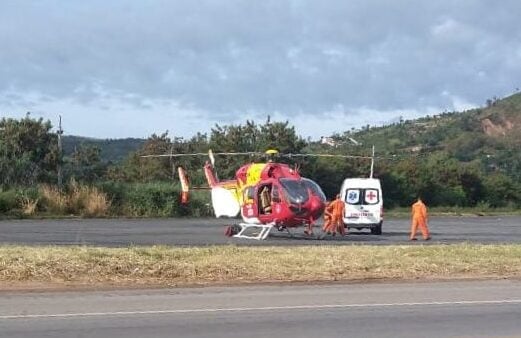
column 267, row 195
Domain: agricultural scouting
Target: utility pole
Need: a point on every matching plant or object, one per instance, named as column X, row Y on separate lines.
column 372, row 164
column 60, row 154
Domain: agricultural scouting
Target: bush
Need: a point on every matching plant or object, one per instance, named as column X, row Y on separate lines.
column 152, row 200
column 8, row 200
column 159, row 200
column 116, row 192
column 502, row 191
column 200, row 204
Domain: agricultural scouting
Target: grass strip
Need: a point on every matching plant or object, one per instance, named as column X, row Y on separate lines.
column 168, row 266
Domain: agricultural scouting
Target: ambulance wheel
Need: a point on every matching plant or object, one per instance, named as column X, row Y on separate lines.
column 377, row 230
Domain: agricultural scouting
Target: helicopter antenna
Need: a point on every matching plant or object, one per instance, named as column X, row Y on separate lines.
column 372, row 164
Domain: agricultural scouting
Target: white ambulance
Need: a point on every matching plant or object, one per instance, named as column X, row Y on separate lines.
column 363, row 204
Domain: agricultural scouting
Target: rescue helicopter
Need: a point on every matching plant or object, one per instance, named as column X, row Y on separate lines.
column 266, row 194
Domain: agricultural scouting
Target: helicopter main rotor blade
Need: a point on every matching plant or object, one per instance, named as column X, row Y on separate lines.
column 257, row 154
column 203, row 154
column 327, row 155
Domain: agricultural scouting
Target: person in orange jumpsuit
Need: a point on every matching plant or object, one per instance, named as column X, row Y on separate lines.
column 419, row 219
column 334, row 211
column 327, row 220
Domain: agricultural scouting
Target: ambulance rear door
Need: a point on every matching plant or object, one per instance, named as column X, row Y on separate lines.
column 363, row 204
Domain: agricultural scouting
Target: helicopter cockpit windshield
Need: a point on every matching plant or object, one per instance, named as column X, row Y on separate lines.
column 315, row 189
column 296, row 191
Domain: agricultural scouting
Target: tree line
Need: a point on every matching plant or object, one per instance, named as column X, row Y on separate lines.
column 30, row 157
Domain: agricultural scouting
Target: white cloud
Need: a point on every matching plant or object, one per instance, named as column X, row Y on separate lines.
column 449, row 28
column 458, row 103
column 117, row 116
column 164, row 63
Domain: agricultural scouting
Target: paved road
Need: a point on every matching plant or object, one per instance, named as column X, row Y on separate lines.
column 456, row 309
column 124, row 232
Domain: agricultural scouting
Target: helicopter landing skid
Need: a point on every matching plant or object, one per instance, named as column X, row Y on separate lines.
column 262, row 234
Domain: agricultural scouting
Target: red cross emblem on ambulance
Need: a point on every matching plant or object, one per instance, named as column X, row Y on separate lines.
column 371, row 196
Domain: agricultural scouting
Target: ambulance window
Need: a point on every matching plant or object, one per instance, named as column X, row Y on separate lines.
column 353, row 196
column 371, row 196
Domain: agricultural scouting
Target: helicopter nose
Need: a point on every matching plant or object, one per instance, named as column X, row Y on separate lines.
column 316, row 203
column 298, row 210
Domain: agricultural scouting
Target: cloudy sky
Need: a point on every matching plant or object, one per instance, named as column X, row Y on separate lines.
column 130, row 68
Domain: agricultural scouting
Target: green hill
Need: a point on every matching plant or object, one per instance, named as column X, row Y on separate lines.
column 490, row 135
column 111, row 150
column 500, row 122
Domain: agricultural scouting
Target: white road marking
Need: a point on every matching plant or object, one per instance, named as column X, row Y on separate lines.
column 266, row 308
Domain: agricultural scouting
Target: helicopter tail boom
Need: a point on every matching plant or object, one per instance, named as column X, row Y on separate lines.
column 211, row 178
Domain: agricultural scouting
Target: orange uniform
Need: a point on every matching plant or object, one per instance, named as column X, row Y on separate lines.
column 327, row 221
column 334, row 211
column 419, row 219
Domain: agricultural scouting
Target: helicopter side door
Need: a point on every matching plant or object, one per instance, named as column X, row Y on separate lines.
column 264, row 201
column 274, row 209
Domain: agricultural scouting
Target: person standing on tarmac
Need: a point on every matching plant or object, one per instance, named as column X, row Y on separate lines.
column 334, row 222
column 327, row 220
column 419, row 219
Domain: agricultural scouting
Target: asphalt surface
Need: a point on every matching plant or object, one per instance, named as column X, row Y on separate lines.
column 125, row 232
column 455, row 309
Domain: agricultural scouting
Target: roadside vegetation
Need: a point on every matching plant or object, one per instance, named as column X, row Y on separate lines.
column 102, row 200
column 168, row 266
column 155, row 200
column 460, row 162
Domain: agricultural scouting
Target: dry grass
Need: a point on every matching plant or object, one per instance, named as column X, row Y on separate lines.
column 97, row 204
column 53, row 199
column 29, row 206
column 87, row 201
column 230, row 264
column 80, row 200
